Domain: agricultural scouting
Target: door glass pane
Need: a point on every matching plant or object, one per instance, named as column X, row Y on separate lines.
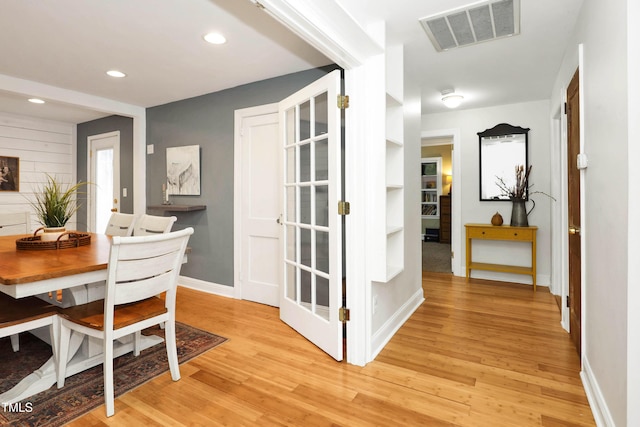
column 290, row 166
column 322, row 251
column 321, row 114
column 290, row 239
column 290, row 204
column 290, row 117
column 322, row 205
column 305, row 289
column 305, row 120
column 104, row 188
column 305, row 247
column 322, row 297
column 305, row 163
column 322, row 160
column 305, row 205
column 290, row 280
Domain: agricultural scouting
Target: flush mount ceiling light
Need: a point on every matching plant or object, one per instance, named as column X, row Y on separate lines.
column 215, row 38
column 36, row 101
column 472, row 24
column 451, row 99
column 116, row 73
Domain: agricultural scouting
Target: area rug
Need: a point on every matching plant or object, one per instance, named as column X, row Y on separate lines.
column 84, row 392
column 436, row 257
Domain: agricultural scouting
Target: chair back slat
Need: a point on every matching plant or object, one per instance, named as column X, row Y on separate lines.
column 145, row 250
column 15, row 223
column 150, row 224
column 120, row 224
column 142, row 289
column 143, row 268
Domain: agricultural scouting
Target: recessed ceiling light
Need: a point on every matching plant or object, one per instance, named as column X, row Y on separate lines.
column 215, row 38
column 36, row 101
column 116, row 73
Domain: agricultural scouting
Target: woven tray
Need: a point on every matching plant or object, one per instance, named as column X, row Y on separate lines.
column 70, row 239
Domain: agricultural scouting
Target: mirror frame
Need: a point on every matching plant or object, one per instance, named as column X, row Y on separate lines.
column 502, row 129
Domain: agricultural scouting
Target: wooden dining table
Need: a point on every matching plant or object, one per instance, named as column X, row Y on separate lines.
column 78, row 275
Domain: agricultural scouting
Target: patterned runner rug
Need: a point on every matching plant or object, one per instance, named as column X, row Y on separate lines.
column 84, row 392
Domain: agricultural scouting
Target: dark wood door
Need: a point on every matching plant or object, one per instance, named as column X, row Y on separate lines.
column 575, row 258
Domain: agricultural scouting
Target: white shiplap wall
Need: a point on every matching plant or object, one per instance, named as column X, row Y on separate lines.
column 43, row 147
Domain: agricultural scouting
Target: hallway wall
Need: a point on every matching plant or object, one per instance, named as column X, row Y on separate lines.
column 533, row 115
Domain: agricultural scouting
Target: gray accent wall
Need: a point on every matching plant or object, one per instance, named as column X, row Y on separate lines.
column 208, row 121
column 97, row 127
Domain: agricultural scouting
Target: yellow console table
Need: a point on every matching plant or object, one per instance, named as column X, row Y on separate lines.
column 504, row 232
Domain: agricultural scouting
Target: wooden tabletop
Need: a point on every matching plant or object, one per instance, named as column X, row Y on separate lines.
column 26, row 266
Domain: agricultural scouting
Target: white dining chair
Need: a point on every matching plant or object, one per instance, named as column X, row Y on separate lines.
column 120, row 224
column 15, row 223
column 26, row 314
column 150, row 224
column 139, row 269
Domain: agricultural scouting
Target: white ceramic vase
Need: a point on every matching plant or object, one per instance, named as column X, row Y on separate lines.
column 52, row 233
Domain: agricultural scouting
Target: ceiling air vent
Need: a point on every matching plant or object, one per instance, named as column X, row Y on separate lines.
column 478, row 22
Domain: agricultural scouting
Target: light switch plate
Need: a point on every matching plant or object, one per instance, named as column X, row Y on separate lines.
column 150, row 149
column 582, row 161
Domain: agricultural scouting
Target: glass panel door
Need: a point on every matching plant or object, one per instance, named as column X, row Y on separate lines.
column 104, row 176
column 312, row 228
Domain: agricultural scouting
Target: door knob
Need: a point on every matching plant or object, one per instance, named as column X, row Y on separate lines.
column 574, row 230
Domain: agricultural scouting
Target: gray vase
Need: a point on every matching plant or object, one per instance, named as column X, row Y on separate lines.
column 519, row 212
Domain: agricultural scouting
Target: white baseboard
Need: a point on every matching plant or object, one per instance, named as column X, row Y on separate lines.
column 208, row 287
column 391, row 326
column 598, row 405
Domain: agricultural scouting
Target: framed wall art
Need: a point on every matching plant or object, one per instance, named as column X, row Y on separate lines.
column 9, row 173
column 183, row 170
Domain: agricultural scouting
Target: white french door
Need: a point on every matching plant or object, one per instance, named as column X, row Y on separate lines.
column 104, row 176
column 311, row 295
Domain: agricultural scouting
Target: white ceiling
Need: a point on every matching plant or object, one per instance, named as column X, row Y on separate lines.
column 158, row 43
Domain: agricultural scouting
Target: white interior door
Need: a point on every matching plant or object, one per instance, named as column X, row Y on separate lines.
column 312, row 291
column 104, row 176
column 261, row 172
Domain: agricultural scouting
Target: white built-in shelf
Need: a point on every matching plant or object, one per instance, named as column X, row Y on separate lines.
column 391, row 192
column 393, row 271
column 394, row 142
column 391, row 229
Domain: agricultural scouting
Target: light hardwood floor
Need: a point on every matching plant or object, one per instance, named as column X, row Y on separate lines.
column 475, row 353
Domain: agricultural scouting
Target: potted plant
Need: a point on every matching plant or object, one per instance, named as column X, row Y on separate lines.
column 518, row 193
column 55, row 204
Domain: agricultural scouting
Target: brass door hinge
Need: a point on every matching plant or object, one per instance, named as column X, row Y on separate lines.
column 343, row 101
column 344, row 208
column 343, row 314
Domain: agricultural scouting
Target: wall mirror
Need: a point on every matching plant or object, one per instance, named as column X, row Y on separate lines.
column 502, row 148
